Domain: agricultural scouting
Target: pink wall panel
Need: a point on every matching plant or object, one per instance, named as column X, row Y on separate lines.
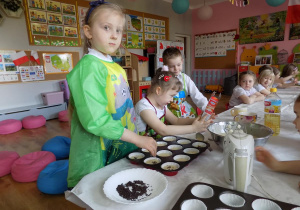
column 226, row 17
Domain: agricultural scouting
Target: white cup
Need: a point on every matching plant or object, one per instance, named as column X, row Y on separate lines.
column 237, row 109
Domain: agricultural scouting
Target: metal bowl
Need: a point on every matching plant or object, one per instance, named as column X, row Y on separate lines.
column 260, row 133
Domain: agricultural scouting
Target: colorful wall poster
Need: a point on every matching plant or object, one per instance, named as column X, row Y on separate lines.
column 57, row 63
column 6, row 62
column 53, row 6
column 70, row 32
column 31, row 73
column 8, row 77
column 262, row 28
column 294, row 31
column 39, row 29
column 54, row 18
column 134, row 40
column 36, row 4
column 68, row 9
column 38, row 16
column 134, row 23
column 214, row 45
column 154, row 29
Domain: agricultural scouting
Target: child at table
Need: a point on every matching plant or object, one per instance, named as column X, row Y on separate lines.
column 277, row 81
column 103, row 117
column 264, row 156
column 289, row 75
column 265, row 81
column 152, row 112
column 245, row 92
column 172, row 57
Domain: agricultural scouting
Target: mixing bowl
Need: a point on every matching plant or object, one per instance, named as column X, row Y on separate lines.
column 259, row 132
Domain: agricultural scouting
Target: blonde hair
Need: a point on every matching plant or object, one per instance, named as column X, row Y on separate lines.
column 264, row 67
column 91, row 16
column 266, row 73
column 166, row 80
column 170, row 53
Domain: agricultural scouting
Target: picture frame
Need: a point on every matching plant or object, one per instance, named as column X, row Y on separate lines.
column 296, row 58
column 261, row 60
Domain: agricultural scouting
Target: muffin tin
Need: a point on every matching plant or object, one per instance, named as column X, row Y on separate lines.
column 173, row 154
column 202, row 196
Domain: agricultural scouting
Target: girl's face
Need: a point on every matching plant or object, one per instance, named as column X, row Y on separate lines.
column 166, row 97
column 297, row 112
column 106, row 31
column 266, row 81
column 277, row 76
column 247, row 82
column 175, row 65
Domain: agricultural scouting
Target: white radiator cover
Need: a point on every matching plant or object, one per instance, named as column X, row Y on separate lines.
column 49, row 112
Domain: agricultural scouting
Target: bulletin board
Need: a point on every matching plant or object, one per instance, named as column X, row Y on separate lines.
column 52, row 23
column 218, row 59
column 150, row 29
column 49, row 76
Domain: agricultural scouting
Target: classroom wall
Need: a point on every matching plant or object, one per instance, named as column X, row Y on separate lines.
column 226, row 17
column 13, row 35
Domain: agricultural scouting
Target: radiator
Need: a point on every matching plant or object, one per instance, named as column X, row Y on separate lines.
column 204, row 77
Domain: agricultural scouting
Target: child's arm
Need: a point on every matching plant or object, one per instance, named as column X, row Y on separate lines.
column 265, row 92
column 150, row 118
column 264, row 156
column 140, row 141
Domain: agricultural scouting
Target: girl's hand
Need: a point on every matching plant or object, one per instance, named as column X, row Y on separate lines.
column 147, row 143
column 200, row 124
column 264, row 156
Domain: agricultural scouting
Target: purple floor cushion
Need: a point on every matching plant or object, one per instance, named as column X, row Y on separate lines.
column 28, row 167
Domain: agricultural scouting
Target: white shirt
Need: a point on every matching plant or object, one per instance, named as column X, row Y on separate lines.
column 191, row 89
column 100, row 55
column 144, row 104
column 237, row 92
column 259, row 87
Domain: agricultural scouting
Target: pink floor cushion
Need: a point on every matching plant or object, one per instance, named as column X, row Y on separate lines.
column 7, row 158
column 59, row 146
column 32, row 122
column 63, row 116
column 28, row 167
column 53, row 178
column 10, row 126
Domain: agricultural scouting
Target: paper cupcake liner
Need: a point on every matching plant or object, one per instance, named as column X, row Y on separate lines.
column 202, row 191
column 232, row 200
column 264, row 204
column 193, row 204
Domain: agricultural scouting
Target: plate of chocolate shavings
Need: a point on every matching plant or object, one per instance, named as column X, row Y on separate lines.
column 135, row 185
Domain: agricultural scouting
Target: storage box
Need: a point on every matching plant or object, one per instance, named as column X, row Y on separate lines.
column 53, row 98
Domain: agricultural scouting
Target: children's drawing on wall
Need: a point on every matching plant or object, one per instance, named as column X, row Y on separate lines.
column 71, row 32
column 54, row 18
column 68, row 9
column 36, row 4
column 262, row 28
column 41, row 40
column 134, row 23
column 81, row 13
column 53, row 6
column 55, row 30
column 135, row 40
column 6, row 62
column 37, row 16
column 57, row 63
column 39, row 29
column 294, row 31
column 69, row 20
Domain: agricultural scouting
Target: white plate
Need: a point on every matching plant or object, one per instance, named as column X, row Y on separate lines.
column 157, row 184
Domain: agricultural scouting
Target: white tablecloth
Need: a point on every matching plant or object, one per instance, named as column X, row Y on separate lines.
column 208, row 167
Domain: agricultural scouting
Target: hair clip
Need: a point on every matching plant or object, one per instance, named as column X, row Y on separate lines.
column 93, row 5
column 161, row 76
column 165, row 68
column 167, row 78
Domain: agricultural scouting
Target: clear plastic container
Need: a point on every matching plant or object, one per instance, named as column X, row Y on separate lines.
column 273, row 111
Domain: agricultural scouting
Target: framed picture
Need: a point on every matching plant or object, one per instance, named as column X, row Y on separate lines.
column 297, row 58
column 261, row 60
column 56, row 63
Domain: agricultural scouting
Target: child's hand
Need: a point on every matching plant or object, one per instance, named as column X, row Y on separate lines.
column 200, row 124
column 264, row 156
column 147, row 143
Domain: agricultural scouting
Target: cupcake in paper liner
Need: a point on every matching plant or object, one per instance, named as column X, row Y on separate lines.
column 199, row 145
column 232, row 200
column 170, row 166
column 161, row 144
column 169, row 138
column 164, row 153
column 191, row 151
column 136, row 156
column 152, row 161
column 175, row 147
column 183, row 141
column 193, row 204
column 202, row 191
column 261, row 204
column 182, row 158
column 145, row 150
